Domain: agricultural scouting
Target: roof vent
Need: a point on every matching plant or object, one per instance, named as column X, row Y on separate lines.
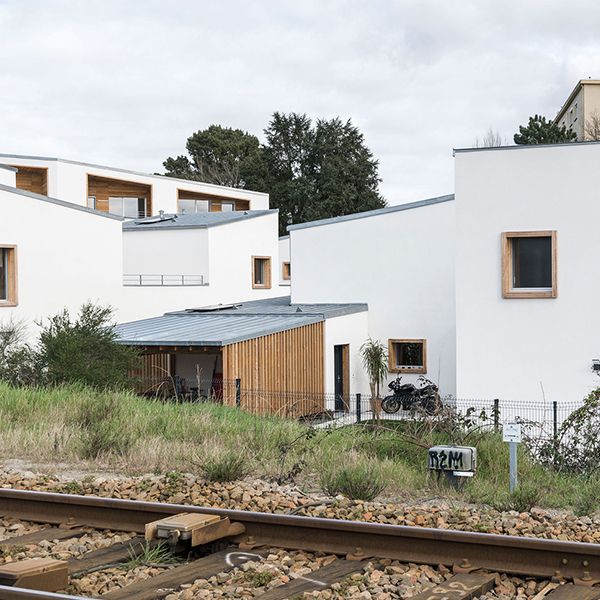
column 211, row 308
column 162, row 214
column 299, row 310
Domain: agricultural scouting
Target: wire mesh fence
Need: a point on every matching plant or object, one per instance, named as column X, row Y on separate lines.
column 542, row 419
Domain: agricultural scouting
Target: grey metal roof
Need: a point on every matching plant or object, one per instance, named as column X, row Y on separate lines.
column 234, row 192
column 245, row 321
column 373, row 213
column 8, row 188
column 201, row 220
column 14, row 169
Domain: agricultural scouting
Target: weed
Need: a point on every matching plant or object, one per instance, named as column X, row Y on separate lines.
column 89, row 479
column 357, row 482
column 523, row 499
column 73, row 487
column 225, row 467
column 158, row 555
column 350, row 581
column 12, row 550
column 174, row 480
column 259, row 578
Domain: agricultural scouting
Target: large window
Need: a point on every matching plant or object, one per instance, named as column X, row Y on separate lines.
column 529, row 264
column 261, row 271
column 407, row 356
column 190, row 205
column 8, row 275
column 132, row 208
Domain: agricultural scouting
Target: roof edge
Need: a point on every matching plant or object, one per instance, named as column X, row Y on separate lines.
column 9, row 168
column 522, row 146
column 131, row 172
column 373, row 213
column 92, row 211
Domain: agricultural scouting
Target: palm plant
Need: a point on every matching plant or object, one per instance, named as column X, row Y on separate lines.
column 374, row 358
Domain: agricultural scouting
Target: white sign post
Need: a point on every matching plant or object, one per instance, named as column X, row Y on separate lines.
column 511, row 433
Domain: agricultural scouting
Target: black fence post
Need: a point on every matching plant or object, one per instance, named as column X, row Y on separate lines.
column 358, row 400
column 555, row 407
column 238, row 392
column 496, row 413
column 177, row 385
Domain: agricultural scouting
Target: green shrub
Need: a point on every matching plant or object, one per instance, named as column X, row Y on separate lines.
column 225, row 467
column 357, row 482
column 98, row 417
column 523, row 499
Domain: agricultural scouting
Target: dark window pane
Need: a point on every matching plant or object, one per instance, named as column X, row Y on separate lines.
column 532, row 262
column 409, row 354
column 259, row 271
column 3, row 275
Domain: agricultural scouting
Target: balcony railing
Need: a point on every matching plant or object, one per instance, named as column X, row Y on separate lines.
column 162, row 280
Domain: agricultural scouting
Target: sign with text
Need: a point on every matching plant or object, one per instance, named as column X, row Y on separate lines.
column 511, row 432
column 453, row 458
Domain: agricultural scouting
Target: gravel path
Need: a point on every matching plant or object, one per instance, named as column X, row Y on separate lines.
column 381, row 580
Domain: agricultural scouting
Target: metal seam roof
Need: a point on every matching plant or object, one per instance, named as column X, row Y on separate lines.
column 373, row 213
column 202, row 220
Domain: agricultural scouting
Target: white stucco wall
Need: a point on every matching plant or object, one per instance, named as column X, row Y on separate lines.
column 7, row 176
column 222, row 254
column 401, row 263
column 514, row 348
column 65, row 257
column 67, row 180
column 168, row 252
column 352, row 330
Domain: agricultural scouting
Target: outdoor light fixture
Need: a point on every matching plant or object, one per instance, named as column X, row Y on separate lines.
column 595, row 365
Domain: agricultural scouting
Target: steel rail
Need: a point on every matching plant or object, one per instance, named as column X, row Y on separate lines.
column 517, row 555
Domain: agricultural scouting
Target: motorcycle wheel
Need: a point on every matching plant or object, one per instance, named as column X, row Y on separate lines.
column 390, row 404
column 430, row 404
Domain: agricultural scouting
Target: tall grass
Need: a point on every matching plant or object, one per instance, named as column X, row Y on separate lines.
column 119, row 430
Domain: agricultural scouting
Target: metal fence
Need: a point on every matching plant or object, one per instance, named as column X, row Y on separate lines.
column 541, row 419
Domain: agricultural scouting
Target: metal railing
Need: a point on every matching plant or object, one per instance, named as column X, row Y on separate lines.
column 162, row 280
column 542, row 419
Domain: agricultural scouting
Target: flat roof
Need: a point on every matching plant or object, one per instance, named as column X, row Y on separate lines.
column 201, row 220
column 234, row 323
column 93, row 211
column 373, row 213
column 221, row 188
column 523, row 147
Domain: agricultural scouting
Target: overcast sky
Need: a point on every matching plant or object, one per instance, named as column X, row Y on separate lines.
column 123, row 83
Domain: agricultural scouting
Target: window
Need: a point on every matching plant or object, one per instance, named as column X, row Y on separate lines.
column 570, row 117
column 261, row 271
column 575, row 119
column 8, row 275
column 529, row 264
column 227, row 206
column 407, row 356
column 287, row 270
column 132, row 208
column 189, row 205
column 91, row 202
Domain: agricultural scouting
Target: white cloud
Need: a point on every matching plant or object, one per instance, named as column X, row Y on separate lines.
column 125, row 83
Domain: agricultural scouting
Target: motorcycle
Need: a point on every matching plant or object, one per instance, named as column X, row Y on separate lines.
column 410, row 397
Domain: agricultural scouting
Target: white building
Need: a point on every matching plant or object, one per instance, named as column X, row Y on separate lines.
column 126, row 193
column 527, row 285
column 400, row 261
column 56, row 252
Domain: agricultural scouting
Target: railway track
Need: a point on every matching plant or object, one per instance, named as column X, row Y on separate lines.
column 229, row 541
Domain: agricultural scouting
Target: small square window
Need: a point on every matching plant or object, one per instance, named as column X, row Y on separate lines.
column 529, row 264
column 407, row 356
column 8, row 275
column 261, row 271
column 287, row 270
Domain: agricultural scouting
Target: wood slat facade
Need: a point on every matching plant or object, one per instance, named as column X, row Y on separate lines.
column 102, row 188
column 291, row 361
column 32, row 179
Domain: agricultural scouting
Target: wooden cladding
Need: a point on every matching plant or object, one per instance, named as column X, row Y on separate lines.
column 102, row 188
column 32, row 179
column 8, row 276
column 290, row 361
column 215, row 202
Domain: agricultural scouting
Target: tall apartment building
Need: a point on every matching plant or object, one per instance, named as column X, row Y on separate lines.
column 581, row 111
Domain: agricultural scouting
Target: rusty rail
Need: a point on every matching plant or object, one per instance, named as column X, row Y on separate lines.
column 466, row 550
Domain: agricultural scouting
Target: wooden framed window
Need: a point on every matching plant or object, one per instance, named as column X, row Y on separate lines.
column 407, row 356
column 8, row 276
column 261, row 272
column 529, row 264
column 287, row 270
